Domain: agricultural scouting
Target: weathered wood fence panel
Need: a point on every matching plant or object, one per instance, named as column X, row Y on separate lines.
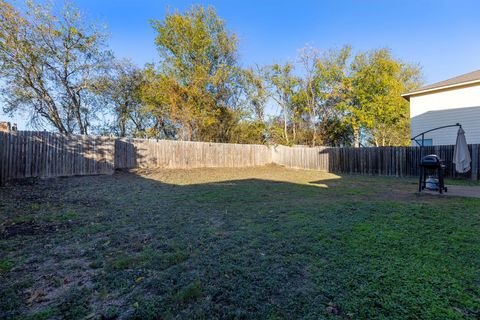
column 143, row 153
column 316, row 158
column 25, row 154
column 386, row 161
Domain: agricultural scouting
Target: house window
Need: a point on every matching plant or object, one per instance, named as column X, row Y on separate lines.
column 428, row 142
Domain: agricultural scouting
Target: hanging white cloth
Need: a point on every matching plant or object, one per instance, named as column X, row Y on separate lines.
column 461, row 155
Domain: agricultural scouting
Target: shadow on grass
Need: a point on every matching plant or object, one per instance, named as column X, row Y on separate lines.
column 234, row 243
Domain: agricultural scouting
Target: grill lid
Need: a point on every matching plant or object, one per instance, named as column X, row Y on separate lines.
column 431, row 160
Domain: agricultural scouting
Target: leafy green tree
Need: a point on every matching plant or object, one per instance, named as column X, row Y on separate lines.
column 306, row 98
column 251, row 126
column 47, row 62
column 122, row 89
column 199, row 73
column 256, row 93
column 321, row 91
column 283, row 86
column 332, row 72
column 159, row 95
column 377, row 82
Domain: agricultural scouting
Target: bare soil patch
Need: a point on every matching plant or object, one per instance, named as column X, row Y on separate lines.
column 250, row 243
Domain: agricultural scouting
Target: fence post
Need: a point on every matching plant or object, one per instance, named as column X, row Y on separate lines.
column 475, row 162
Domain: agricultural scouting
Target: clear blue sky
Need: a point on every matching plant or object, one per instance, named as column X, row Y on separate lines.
column 442, row 36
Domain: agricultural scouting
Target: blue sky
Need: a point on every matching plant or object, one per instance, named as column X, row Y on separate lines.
column 442, row 36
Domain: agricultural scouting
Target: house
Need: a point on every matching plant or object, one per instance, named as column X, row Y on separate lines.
column 456, row 100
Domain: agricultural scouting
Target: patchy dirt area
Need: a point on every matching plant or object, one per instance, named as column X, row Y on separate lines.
column 264, row 242
column 30, row 228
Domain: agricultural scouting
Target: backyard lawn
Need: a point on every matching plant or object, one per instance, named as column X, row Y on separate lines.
column 253, row 243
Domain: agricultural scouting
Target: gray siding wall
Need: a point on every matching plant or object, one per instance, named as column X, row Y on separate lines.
column 469, row 118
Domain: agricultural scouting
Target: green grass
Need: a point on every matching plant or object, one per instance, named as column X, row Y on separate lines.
column 262, row 243
column 6, row 265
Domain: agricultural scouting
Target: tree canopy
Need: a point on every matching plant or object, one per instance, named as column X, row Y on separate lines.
column 48, row 61
column 377, row 82
column 55, row 65
column 198, row 73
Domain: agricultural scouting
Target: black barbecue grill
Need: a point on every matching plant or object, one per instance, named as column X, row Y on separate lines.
column 429, row 164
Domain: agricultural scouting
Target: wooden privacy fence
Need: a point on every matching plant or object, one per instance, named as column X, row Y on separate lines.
column 25, row 154
column 301, row 157
column 143, row 153
column 386, row 161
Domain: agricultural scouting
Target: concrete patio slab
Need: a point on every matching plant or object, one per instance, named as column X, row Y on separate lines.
column 458, row 191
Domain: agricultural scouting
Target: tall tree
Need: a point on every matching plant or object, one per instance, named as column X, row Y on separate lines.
column 255, row 92
column 320, row 92
column 199, row 72
column 251, row 127
column 122, row 88
column 307, row 97
column 47, row 63
column 283, row 85
column 332, row 72
column 161, row 95
column 377, row 82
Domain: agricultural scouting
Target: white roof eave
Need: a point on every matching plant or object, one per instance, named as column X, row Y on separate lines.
column 407, row 95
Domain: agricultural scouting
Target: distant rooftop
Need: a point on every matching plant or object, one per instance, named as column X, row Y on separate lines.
column 467, row 78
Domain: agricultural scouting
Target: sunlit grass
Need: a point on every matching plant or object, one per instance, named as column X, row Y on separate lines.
column 267, row 243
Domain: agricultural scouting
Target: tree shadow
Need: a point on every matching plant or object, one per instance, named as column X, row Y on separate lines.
column 199, row 242
column 34, row 154
column 84, row 234
column 389, row 161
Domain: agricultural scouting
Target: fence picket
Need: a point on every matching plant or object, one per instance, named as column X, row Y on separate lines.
column 26, row 154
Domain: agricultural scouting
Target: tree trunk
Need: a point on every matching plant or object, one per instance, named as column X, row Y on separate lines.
column 294, row 128
column 57, row 123
column 314, row 138
column 123, row 129
column 285, row 127
column 356, row 136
